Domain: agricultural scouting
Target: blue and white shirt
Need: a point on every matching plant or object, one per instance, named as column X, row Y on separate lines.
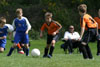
column 21, row 25
column 4, row 31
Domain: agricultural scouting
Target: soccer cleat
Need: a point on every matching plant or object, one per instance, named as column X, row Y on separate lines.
column 49, row 56
column 98, row 54
column 44, row 56
column 21, row 52
column 8, row 54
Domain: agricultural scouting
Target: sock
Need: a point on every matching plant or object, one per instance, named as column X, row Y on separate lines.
column 24, row 49
column 51, row 50
column 10, row 52
column 27, row 51
column 18, row 45
column 46, row 51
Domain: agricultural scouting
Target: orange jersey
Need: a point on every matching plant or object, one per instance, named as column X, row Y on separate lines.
column 97, row 19
column 52, row 27
column 87, row 22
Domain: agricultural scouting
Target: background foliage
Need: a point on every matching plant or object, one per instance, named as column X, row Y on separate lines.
column 65, row 12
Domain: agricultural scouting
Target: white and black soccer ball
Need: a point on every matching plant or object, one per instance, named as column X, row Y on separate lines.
column 35, row 52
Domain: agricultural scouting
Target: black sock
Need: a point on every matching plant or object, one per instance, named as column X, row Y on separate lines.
column 51, row 50
column 24, row 49
column 46, row 51
column 10, row 52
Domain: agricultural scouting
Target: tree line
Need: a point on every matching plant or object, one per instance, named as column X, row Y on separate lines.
column 64, row 11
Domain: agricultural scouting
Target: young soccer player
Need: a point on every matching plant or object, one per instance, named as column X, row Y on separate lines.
column 4, row 29
column 97, row 19
column 53, row 28
column 91, row 27
column 22, row 26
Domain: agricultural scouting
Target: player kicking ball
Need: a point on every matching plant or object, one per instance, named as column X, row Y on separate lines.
column 22, row 26
column 53, row 28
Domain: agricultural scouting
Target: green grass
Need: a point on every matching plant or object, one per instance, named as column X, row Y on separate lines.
column 59, row 59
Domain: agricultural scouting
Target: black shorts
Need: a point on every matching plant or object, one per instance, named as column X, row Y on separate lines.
column 50, row 38
column 90, row 36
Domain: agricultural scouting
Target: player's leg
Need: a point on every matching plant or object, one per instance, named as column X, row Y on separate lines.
column 25, row 40
column 2, row 47
column 16, row 41
column 27, row 49
column 84, row 43
column 23, row 47
column 54, row 40
column 98, row 48
column 11, row 49
column 98, row 44
column 89, row 52
column 52, row 48
column 46, row 49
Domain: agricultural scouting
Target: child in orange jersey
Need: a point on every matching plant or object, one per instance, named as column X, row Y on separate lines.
column 53, row 28
column 90, row 27
column 97, row 19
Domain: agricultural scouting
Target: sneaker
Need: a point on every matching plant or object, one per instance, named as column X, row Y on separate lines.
column 70, row 53
column 21, row 52
column 49, row 56
column 98, row 54
column 44, row 56
column 27, row 55
column 8, row 54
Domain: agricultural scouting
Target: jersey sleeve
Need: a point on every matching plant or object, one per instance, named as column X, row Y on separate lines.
column 10, row 28
column 43, row 27
column 28, row 24
column 82, row 22
column 58, row 25
column 13, row 24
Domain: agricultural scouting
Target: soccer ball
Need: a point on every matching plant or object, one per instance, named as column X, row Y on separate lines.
column 35, row 52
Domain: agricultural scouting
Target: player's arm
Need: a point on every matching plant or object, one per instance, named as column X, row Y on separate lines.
column 82, row 28
column 97, row 29
column 95, row 20
column 42, row 29
column 82, row 32
column 9, row 30
column 28, row 26
column 4, row 37
column 58, row 26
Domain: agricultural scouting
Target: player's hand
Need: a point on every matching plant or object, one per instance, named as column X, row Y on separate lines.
column 54, row 33
column 4, row 37
column 79, row 39
column 26, row 32
column 41, row 35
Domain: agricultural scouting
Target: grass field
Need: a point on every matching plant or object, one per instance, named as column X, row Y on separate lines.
column 59, row 59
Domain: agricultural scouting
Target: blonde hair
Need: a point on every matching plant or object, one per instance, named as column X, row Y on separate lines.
column 3, row 20
column 18, row 10
column 82, row 8
column 48, row 14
